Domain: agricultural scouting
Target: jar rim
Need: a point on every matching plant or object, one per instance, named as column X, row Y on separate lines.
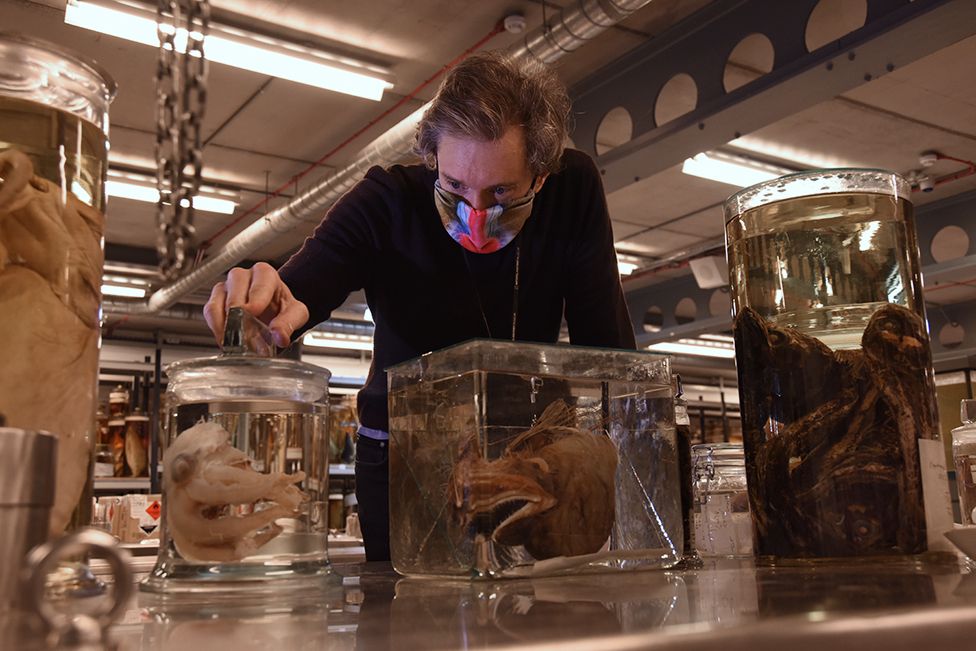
column 269, row 364
column 816, row 182
column 95, row 69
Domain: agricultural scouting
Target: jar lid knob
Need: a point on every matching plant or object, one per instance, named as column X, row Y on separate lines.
column 244, row 334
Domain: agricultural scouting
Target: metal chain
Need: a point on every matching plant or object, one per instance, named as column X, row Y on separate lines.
column 181, row 96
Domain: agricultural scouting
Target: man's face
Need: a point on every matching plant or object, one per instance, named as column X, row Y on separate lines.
column 485, row 174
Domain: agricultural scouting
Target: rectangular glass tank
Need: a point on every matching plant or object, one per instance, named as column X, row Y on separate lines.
column 516, row 459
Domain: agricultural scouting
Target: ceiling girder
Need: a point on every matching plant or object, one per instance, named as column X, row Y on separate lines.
column 896, row 33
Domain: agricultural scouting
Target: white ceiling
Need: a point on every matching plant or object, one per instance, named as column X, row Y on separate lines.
column 262, row 132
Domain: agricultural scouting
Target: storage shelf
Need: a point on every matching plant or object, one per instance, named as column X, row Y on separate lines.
column 121, row 483
column 342, row 470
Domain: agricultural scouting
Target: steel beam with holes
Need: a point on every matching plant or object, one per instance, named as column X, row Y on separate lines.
column 896, row 32
column 932, row 221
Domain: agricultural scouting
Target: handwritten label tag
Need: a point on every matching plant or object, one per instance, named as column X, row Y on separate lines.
column 935, row 492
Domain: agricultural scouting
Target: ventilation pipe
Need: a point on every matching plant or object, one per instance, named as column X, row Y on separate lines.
column 565, row 32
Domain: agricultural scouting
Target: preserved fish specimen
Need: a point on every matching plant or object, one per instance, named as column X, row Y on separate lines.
column 207, row 482
column 551, row 490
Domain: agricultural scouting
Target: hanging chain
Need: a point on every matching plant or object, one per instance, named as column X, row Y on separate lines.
column 181, row 97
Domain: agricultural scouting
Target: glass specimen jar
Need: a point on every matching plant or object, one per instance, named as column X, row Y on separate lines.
column 53, row 157
column 116, row 446
column 835, row 374
column 964, row 460
column 118, row 402
column 245, row 477
column 137, row 443
column 721, row 512
column 512, row 459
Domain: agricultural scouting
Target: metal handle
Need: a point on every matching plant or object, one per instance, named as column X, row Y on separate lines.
column 72, row 629
column 246, row 335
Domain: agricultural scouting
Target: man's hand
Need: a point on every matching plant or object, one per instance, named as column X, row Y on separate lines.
column 262, row 293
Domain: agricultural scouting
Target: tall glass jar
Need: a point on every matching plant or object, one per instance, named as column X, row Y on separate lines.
column 245, row 477
column 835, row 374
column 53, row 157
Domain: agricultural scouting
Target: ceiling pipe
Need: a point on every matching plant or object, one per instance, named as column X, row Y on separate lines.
column 565, row 32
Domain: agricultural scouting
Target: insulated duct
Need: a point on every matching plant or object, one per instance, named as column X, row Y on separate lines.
column 565, row 32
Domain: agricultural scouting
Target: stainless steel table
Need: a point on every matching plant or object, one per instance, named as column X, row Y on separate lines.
column 726, row 605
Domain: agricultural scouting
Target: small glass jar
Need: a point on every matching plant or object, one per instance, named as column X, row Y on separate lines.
column 101, row 426
column 104, row 463
column 964, row 460
column 116, row 444
column 118, row 402
column 137, row 443
column 245, row 477
column 722, row 523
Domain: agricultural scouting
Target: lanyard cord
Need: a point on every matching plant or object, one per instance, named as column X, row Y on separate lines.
column 515, row 291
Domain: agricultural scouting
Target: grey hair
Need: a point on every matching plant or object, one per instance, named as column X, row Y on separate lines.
column 489, row 92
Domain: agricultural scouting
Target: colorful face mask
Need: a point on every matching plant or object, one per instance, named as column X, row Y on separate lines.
column 481, row 231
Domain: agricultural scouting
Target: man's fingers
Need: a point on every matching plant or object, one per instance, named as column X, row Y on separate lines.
column 238, row 285
column 293, row 315
column 214, row 311
column 264, row 284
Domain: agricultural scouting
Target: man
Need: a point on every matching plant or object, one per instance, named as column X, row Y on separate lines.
column 500, row 233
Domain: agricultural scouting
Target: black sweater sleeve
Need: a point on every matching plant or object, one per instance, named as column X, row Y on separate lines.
column 336, row 259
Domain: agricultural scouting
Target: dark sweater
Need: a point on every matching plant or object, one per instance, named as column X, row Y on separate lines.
column 426, row 292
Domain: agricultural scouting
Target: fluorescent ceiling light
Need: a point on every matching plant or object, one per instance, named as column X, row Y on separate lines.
column 626, row 268
column 232, row 47
column 695, row 347
column 734, row 170
column 126, row 291
column 125, row 286
column 337, row 340
column 800, row 157
column 728, row 339
column 138, row 189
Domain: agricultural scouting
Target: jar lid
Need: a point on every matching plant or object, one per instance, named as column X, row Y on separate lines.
column 119, row 394
column 233, row 377
column 246, row 369
column 137, row 415
column 731, row 453
column 41, row 71
column 967, row 411
column 817, row 182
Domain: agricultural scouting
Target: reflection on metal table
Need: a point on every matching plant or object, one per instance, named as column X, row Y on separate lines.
column 895, row 605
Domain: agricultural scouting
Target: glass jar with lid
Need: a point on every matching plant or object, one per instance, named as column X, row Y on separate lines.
column 722, row 523
column 53, row 156
column 245, row 475
column 964, row 460
column 118, row 402
column 137, row 443
column 834, row 362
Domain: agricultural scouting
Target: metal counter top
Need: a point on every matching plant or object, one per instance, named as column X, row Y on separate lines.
column 892, row 605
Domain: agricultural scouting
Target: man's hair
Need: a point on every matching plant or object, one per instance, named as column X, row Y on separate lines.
column 489, row 92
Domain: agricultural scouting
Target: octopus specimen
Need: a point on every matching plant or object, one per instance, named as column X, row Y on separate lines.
column 832, row 436
column 50, row 279
column 551, row 490
column 207, row 481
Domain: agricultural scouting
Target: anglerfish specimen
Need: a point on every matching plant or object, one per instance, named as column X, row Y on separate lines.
column 551, row 490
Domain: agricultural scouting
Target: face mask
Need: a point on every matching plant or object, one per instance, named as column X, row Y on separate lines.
column 481, row 231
